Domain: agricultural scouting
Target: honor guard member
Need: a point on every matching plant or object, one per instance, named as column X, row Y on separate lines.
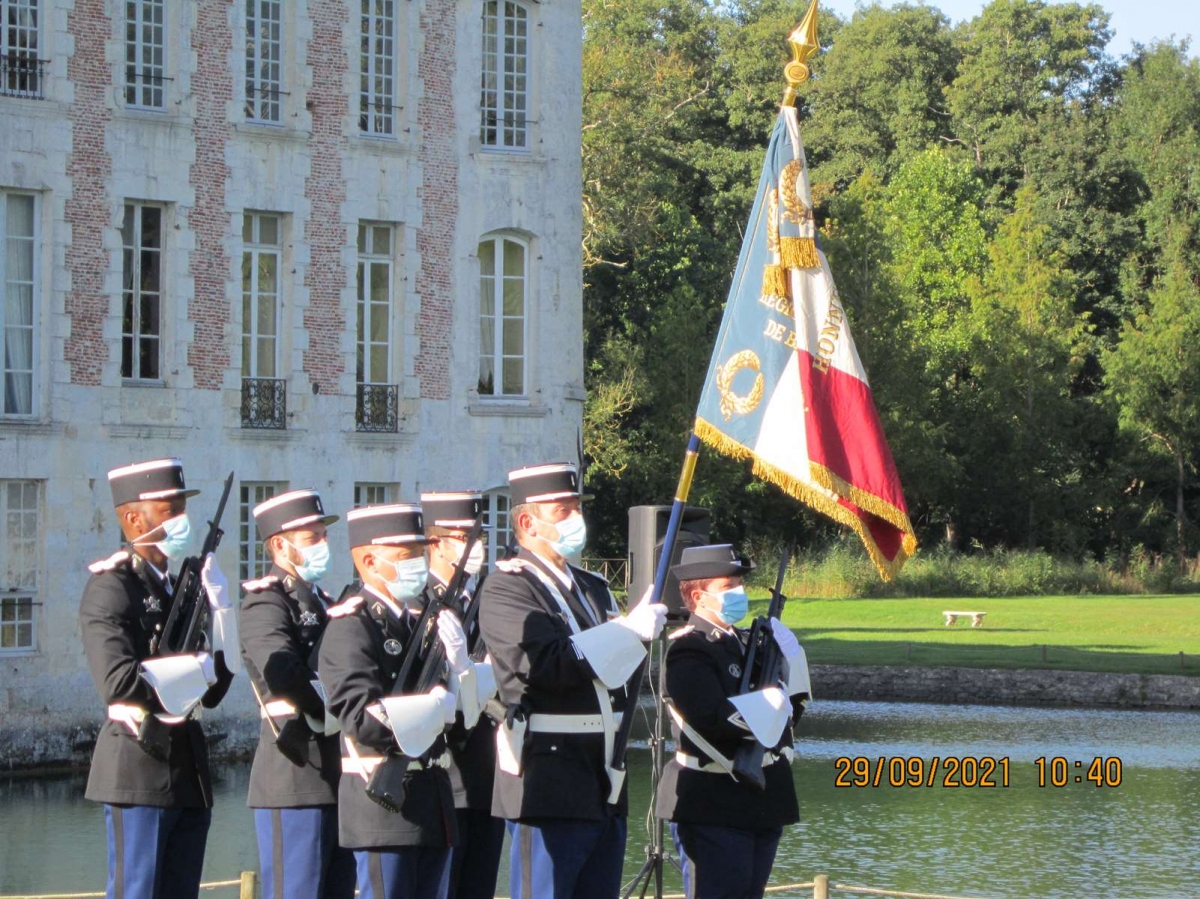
column 726, row 831
column 150, row 766
column 562, row 654
column 294, row 779
column 401, row 832
column 475, row 860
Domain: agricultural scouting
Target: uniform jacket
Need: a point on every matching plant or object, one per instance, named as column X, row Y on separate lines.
column 124, row 605
column 538, row 669
column 360, row 658
column 703, row 671
column 281, row 625
column 472, row 750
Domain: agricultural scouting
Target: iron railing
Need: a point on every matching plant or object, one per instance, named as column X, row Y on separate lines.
column 376, row 408
column 264, row 403
column 23, row 76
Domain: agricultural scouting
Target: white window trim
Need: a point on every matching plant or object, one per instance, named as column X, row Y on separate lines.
column 31, row 593
column 497, row 354
column 389, row 490
column 35, row 356
column 139, row 82
column 363, row 300
column 393, row 108
column 255, row 80
column 38, row 55
column 135, row 378
column 493, row 543
column 253, row 559
column 256, row 249
column 500, row 147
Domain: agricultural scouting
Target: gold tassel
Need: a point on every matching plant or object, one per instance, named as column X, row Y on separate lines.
column 774, row 282
column 798, row 252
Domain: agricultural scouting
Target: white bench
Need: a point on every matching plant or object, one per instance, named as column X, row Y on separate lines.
column 976, row 618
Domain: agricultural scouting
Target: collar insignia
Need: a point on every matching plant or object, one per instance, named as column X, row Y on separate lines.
column 392, row 647
column 309, row 619
column 378, row 610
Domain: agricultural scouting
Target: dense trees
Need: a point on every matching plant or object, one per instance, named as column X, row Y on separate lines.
column 1013, row 218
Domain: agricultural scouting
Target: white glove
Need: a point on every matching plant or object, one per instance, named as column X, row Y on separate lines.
column 207, row 667
column 788, row 644
column 216, row 585
column 645, row 619
column 454, row 639
column 448, row 700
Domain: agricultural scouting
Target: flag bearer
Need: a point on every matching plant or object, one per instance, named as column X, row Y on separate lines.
column 726, row 832
column 294, row 779
column 562, row 654
column 472, row 741
column 150, row 766
column 402, row 851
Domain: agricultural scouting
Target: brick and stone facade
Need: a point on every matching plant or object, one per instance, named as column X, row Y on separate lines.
column 84, row 154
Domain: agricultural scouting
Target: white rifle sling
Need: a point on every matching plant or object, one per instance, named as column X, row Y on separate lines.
column 178, row 681
column 765, row 713
column 416, row 721
column 721, row 760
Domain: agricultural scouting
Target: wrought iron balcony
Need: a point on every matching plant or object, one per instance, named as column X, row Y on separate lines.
column 264, row 403
column 23, row 76
column 376, row 408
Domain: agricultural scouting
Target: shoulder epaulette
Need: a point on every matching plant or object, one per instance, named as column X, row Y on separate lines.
column 117, row 558
column 262, row 583
column 682, row 632
column 345, row 607
column 511, row 566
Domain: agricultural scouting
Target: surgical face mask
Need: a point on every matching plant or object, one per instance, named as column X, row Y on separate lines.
column 475, row 559
column 572, row 536
column 735, row 605
column 177, row 537
column 411, row 575
column 315, row 564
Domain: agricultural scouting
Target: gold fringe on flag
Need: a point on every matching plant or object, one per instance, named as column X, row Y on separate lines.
column 866, row 501
column 798, row 252
column 775, row 282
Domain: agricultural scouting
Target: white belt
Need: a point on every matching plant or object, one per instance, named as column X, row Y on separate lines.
column 276, row 708
column 133, row 715
column 694, row 763
column 543, row 723
column 364, row 765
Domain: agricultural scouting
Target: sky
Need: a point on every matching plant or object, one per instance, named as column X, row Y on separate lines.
column 1132, row 20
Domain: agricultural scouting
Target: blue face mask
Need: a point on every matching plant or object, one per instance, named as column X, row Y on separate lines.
column 177, row 537
column 572, row 536
column 315, row 564
column 411, row 576
column 735, row 605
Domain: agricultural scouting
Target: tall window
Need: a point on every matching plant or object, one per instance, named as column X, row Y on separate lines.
column 264, row 54
column 377, row 78
column 377, row 398
column 497, row 524
column 17, row 255
column 253, row 561
column 503, row 293
column 20, row 67
column 145, row 50
column 367, row 493
column 19, row 563
column 141, row 290
column 504, row 98
column 260, row 295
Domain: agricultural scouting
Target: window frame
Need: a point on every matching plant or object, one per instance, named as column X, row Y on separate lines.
column 21, row 595
column 501, row 109
column 255, row 249
column 491, row 501
column 496, row 354
column 362, row 488
column 370, row 71
column 34, row 287
column 144, row 84
column 253, row 560
column 362, row 303
column 30, row 55
column 253, row 81
column 134, row 335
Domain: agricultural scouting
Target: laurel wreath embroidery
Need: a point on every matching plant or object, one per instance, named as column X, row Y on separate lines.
column 732, row 404
column 795, row 209
column 773, row 221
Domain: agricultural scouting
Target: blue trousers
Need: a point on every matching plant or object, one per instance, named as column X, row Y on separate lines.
column 155, row 853
column 475, row 859
column 406, row 872
column 299, row 856
column 565, row 858
column 724, row 862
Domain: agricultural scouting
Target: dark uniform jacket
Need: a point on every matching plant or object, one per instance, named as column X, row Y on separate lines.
column 472, row 750
column 124, row 605
column 360, row 658
column 704, row 668
column 538, row 669
column 281, row 625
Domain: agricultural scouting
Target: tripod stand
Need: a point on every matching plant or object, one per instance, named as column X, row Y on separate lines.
column 656, row 853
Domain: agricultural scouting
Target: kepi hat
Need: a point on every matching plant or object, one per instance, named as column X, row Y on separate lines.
column 398, row 524
column 714, row 560
column 159, row 479
column 289, row 511
column 545, row 483
column 456, row 511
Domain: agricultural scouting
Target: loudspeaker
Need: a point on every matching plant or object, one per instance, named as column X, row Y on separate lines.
column 647, row 528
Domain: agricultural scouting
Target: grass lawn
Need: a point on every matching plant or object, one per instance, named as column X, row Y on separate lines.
column 1141, row 634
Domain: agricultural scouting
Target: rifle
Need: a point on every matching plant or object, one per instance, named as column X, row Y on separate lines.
column 386, row 784
column 748, row 760
column 185, row 624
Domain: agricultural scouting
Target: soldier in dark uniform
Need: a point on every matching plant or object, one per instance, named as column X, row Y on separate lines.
column 562, row 654
column 150, row 766
column 726, row 832
column 404, row 853
column 476, row 857
column 294, row 779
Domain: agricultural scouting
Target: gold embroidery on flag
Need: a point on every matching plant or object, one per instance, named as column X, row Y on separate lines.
column 731, row 403
column 795, row 209
column 773, row 220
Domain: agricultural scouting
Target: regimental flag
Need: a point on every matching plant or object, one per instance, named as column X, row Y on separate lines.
column 785, row 386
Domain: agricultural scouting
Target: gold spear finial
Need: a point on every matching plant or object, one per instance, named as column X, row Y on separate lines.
column 803, row 42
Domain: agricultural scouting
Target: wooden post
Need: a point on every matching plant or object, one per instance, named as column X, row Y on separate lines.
column 1043, row 652
column 249, row 885
column 821, row 886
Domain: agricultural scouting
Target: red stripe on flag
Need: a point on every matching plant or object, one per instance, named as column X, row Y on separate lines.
column 845, row 437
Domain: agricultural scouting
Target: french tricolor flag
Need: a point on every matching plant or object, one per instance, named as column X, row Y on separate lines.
column 785, row 386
